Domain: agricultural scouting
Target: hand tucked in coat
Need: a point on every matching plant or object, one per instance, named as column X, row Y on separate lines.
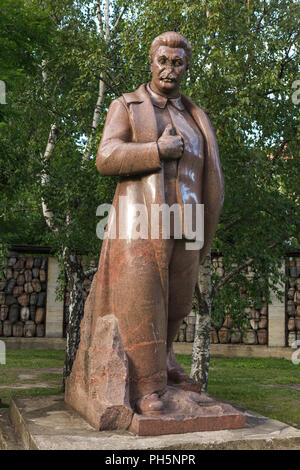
column 170, row 145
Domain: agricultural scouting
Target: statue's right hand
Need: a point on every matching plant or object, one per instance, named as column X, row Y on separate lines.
column 170, row 145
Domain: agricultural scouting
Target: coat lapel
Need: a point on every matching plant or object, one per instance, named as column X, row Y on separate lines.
column 211, row 146
column 141, row 112
column 144, row 128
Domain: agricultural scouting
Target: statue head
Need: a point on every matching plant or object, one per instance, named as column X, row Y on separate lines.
column 169, row 59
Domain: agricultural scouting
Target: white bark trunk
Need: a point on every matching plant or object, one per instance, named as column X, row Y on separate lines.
column 200, row 355
column 51, row 143
column 50, row 146
column 107, row 33
column 75, row 277
column 96, row 119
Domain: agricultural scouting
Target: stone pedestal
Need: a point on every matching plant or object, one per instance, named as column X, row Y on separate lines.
column 99, row 388
column 187, row 412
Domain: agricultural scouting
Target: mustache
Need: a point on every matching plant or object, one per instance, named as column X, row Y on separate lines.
column 167, row 77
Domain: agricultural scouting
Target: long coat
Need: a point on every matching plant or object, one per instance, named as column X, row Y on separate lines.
column 122, row 351
column 128, row 148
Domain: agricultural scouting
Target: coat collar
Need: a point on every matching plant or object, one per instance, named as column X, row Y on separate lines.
column 144, row 91
column 161, row 101
column 141, row 106
column 137, row 96
column 142, row 98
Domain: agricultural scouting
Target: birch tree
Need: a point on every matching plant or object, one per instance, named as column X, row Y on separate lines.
column 60, row 117
column 75, row 274
column 201, row 353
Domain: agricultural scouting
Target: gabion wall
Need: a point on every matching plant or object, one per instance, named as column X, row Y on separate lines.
column 23, row 286
column 293, row 300
column 256, row 333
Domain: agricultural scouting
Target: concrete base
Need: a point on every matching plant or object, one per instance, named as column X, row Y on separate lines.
column 47, row 423
column 8, row 438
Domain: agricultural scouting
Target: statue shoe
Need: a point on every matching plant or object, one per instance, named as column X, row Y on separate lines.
column 149, row 405
column 181, row 380
column 178, row 377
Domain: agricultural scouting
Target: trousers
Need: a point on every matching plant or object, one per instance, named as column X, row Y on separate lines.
column 148, row 323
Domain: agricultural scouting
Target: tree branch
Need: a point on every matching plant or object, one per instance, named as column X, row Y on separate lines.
column 242, row 266
column 118, row 19
column 90, row 271
column 232, row 223
column 286, row 59
column 24, row 209
column 99, row 18
column 109, row 85
column 264, row 12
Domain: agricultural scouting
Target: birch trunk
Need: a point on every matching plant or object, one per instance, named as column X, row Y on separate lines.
column 200, row 355
column 72, row 266
column 75, row 277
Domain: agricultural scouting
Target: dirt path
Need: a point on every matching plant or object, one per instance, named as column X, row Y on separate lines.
column 34, row 378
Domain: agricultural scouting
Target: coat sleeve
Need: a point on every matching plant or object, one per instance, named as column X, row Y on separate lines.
column 213, row 186
column 117, row 154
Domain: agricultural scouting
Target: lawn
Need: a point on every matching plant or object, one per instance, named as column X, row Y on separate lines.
column 270, row 387
column 30, row 372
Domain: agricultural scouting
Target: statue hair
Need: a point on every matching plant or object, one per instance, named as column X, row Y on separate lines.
column 171, row 39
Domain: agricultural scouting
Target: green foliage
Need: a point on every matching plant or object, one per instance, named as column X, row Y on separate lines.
column 24, row 34
column 67, row 43
column 243, row 65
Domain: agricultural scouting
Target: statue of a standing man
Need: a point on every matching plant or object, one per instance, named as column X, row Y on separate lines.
column 163, row 148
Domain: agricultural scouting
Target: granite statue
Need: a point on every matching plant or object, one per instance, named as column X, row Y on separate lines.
column 163, row 148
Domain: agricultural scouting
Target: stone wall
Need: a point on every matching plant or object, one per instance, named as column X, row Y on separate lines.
column 23, row 286
column 293, row 300
column 28, row 305
column 256, row 330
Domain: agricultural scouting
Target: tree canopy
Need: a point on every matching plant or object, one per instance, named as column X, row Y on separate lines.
column 54, row 56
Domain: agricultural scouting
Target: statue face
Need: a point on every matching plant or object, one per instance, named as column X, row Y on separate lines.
column 168, row 68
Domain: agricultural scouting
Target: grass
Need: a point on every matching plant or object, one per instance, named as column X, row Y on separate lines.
column 30, row 361
column 23, row 358
column 260, row 385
